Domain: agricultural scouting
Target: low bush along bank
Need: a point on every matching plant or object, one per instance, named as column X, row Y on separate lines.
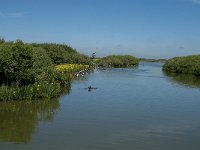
column 71, row 68
column 117, row 61
column 32, row 71
column 185, row 65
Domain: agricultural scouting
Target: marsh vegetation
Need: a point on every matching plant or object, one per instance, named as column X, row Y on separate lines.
column 183, row 65
column 117, row 61
column 28, row 71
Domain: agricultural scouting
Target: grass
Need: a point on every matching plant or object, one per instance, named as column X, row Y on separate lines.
column 29, row 92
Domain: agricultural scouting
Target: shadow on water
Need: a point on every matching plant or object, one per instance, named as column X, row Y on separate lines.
column 19, row 119
column 184, row 79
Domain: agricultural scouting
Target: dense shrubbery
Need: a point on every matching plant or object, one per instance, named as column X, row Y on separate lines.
column 27, row 71
column 60, row 53
column 185, row 65
column 117, row 61
column 20, row 64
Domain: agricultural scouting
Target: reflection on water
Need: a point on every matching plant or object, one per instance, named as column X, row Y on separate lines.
column 18, row 120
column 131, row 109
column 184, row 79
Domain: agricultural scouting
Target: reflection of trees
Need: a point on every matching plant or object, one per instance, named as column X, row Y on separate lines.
column 184, row 79
column 18, row 120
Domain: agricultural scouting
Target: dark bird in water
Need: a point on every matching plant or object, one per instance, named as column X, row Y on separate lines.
column 89, row 88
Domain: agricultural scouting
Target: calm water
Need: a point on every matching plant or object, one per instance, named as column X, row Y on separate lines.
column 140, row 109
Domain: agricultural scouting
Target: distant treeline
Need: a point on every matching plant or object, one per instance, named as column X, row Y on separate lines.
column 152, row 60
column 27, row 71
column 185, row 65
column 117, row 61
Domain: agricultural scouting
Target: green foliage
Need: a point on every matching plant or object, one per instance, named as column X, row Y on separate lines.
column 44, row 89
column 79, row 59
column 27, row 70
column 117, row 61
column 185, row 65
column 152, row 60
column 60, row 53
column 57, row 53
column 20, row 64
column 48, row 84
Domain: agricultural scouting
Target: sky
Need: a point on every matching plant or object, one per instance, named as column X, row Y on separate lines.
column 143, row 28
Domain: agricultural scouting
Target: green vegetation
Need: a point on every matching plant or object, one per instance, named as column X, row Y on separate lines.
column 27, row 71
column 70, row 68
column 152, row 60
column 60, row 53
column 184, row 65
column 117, row 61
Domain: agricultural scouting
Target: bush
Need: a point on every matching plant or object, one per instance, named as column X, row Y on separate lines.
column 185, row 65
column 117, row 61
column 20, row 64
column 27, row 70
column 60, row 53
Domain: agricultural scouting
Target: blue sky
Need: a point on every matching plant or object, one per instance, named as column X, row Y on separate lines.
column 144, row 28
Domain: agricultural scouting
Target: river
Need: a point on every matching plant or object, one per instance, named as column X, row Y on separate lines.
column 138, row 108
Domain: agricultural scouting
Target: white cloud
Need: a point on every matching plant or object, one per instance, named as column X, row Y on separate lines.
column 12, row 15
column 196, row 1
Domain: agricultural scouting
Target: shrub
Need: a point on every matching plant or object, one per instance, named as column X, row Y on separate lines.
column 20, row 64
column 60, row 53
column 185, row 65
column 27, row 70
column 117, row 61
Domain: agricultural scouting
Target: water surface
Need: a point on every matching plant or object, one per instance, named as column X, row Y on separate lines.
column 133, row 108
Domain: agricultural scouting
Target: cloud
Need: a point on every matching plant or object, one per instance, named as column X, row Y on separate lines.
column 12, row 15
column 196, row 1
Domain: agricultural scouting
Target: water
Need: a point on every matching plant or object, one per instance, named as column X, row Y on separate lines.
column 140, row 108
